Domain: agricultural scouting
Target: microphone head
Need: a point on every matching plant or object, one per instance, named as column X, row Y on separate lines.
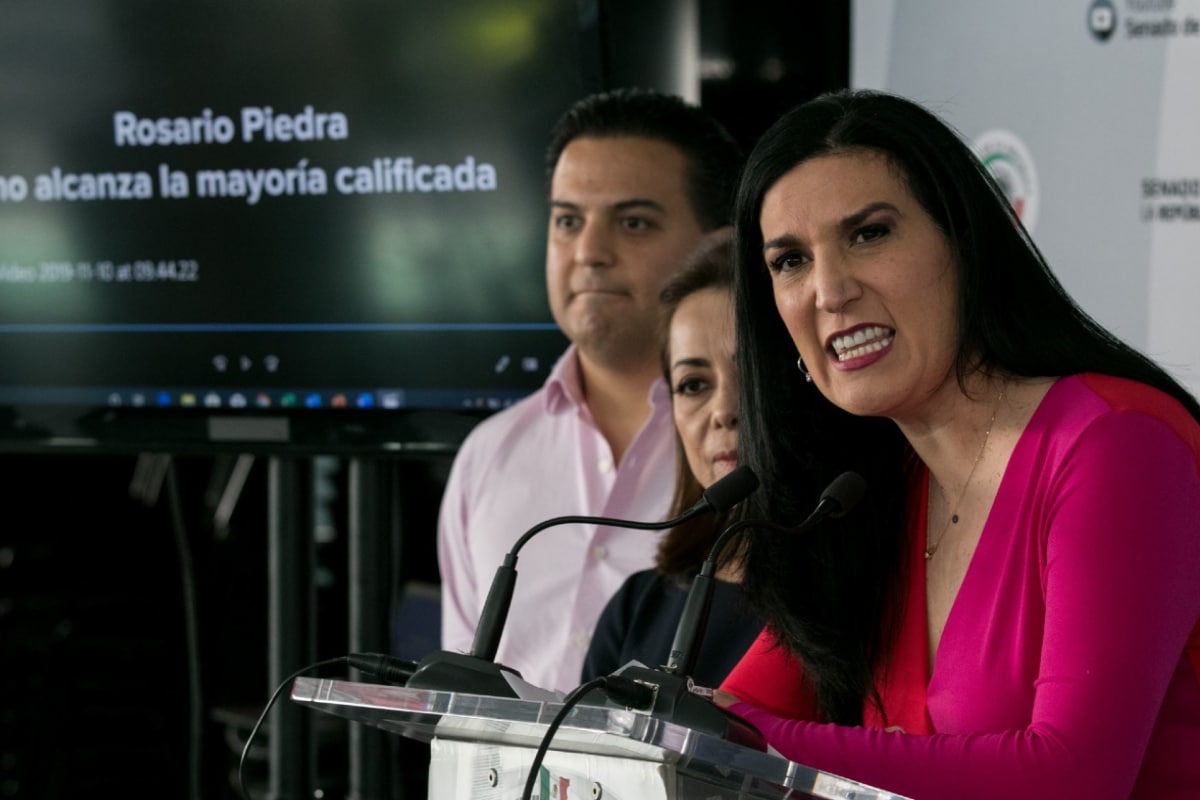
column 844, row 493
column 732, row 489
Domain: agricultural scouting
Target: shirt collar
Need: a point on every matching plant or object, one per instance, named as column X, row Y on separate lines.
column 564, row 388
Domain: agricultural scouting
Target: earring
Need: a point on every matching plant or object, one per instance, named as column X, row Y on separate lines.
column 800, row 366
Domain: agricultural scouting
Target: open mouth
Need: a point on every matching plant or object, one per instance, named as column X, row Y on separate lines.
column 862, row 342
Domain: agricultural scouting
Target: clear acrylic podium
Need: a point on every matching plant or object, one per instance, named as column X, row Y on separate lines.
column 482, row 748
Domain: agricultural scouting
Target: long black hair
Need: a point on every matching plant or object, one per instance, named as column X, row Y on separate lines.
column 835, row 597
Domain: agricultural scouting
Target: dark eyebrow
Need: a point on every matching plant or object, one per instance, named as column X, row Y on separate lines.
column 860, row 216
column 848, row 222
column 691, row 362
column 786, row 240
column 639, row 202
column 623, row 205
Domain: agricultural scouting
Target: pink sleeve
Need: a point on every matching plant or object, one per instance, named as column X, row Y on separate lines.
column 459, row 585
column 1121, row 581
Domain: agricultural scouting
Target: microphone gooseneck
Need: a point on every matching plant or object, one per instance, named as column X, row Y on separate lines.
column 722, row 495
column 676, row 698
column 842, row 495
column 838, row 499
column 477, row 672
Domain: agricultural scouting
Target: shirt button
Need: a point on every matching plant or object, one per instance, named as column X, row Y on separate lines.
column 605, row 465
column 599, row 552
column 582, row 639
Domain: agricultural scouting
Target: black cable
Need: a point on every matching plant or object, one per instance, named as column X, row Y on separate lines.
column 191, row 630
column 569, row 702
column 274, row 696
column 149, row 473
column 627, row 692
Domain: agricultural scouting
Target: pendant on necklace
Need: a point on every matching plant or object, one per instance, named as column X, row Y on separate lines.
column 929, row 551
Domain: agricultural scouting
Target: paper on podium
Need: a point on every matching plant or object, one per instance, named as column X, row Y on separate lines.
column 527, row 691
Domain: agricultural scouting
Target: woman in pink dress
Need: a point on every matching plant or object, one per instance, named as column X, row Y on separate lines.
column 1013, row 609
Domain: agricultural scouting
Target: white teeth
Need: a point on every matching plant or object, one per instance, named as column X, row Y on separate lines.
column 862, row 351
column 862, row 342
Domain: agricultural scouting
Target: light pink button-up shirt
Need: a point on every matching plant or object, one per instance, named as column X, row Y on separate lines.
column 544, row 458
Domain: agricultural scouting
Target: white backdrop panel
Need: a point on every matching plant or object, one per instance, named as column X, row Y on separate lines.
column 1101, row 102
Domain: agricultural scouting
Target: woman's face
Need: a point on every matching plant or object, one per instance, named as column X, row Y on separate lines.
column 703, row 382
column 865, row 283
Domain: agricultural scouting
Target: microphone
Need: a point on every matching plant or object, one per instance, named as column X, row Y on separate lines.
column 477, row 672
column 677, row 698
column 838, row 499
column 381, row 665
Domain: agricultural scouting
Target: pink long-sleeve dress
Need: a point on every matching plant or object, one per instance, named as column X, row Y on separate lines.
column 1070, row 662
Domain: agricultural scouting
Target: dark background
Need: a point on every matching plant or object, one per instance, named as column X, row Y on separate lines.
column 106, row 561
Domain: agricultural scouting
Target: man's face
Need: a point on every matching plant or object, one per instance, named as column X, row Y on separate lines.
column 620, row 226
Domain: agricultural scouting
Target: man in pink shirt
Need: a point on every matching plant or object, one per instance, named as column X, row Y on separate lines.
column 637, row 180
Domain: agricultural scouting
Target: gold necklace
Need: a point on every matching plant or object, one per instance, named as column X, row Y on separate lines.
column 930, row 549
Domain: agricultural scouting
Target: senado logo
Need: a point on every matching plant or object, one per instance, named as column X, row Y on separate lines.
column 1102, row 20
column 1009, row 162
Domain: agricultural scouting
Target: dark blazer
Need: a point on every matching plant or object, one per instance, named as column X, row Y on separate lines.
column 640, row 620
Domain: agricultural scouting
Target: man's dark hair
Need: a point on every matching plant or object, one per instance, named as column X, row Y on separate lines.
column 712, row 154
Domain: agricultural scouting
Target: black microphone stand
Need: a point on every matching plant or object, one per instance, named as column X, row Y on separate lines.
column 477, row 672
column 677, row 698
